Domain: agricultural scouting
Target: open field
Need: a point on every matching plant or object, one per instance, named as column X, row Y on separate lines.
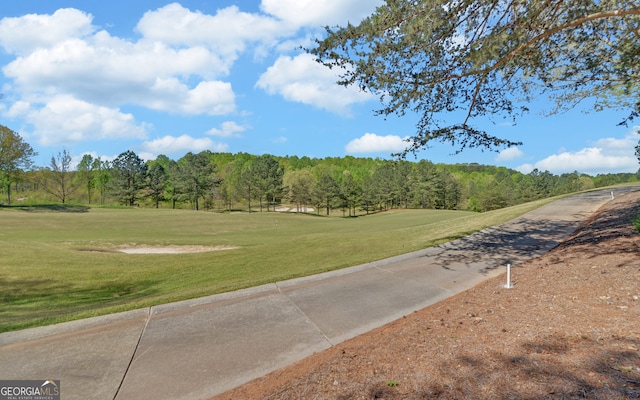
column 62, row 263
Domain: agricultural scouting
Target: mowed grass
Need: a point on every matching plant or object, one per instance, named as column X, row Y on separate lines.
column 62, row 263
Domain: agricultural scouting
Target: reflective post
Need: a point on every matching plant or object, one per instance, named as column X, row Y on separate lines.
column 508, row 285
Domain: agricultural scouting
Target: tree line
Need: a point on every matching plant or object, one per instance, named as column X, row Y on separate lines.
column 241, row 181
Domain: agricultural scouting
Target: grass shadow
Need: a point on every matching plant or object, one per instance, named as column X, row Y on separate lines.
column 62, row 208
column 30, row 302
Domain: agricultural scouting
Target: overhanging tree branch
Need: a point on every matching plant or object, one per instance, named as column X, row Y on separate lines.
column 484, row 56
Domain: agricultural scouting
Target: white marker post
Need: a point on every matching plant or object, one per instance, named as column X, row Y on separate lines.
column 508, row 285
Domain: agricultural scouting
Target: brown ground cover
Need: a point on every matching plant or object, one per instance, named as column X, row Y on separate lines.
column 568, row 329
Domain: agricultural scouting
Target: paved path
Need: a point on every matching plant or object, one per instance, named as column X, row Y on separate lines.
column 199, row 348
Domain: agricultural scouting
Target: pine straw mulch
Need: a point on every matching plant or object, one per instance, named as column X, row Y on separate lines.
column 568, row 329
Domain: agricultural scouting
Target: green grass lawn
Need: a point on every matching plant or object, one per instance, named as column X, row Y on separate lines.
column 61, row 263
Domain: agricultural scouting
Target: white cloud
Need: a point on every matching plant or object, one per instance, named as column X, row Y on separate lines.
column 319, row 13
column 173, row 96
column 109, row 71
column 525, row 168
column 509, row 154
column 588, row 160
column 69, row 78
column 302, row 79
column 227, row 129
column 22, row 35
column 608, row 155
column 65, row 119
column 280, row 139
column 180, row 145
column 372, row 143
column 212, row 98
column 624, row 147
column 18, row 109
column 62, row 54
column 226, row 33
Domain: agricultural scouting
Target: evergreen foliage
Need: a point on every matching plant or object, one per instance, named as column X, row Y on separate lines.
column 127, row 177
column 348, row 185
column 226, row 181
column 488, row 58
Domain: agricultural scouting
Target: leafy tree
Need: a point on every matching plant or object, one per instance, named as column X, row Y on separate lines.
column 487, row 57
column 298, row 163
column 240, row 180
column 350, row 192
column 127, row 178
column 268, row 178
column 155, row 182
column 585, row 183
column 169, row 168
column 87, row 173
column 402, row 171
column 447, row 191
column 247, row 183
column 570, row 181
column 389, row 184
column 261, row 178
column 492, row 196
column 196, row 176
column 601, row 180
column 545, row 183
column 226, row 190
column 523, row 189
column 299, row 185
column 103, row 176
column 423, row 179
column 15, row 154
column 379, row 187
column 326, row 189
column 58, row 180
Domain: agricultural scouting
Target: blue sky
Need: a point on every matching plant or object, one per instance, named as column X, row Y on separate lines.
column 158, row 77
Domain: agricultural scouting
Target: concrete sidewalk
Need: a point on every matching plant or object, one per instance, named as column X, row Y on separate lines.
column 199, row 348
